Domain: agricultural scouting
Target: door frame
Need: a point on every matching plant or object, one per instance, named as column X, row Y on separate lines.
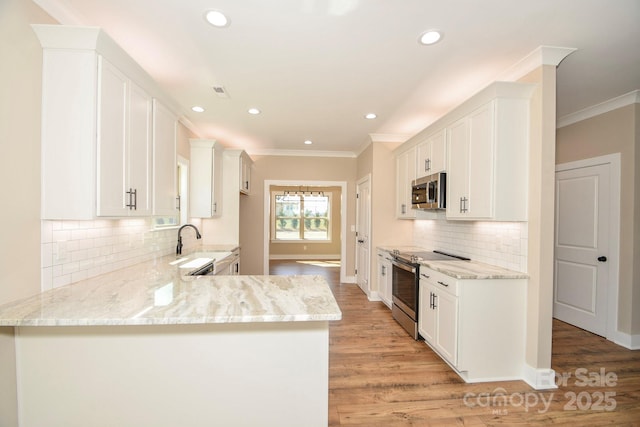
column 613, row 160
column 296, row 183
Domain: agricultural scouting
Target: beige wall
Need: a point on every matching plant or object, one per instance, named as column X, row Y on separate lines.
column 615, row 132
column 306, row 248
column 290, row 168
column 20, row 92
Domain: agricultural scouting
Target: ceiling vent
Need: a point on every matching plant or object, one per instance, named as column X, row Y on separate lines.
column 220, row 91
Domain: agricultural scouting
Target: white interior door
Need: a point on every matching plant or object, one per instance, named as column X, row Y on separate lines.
column 582, row 247
column 363, row 227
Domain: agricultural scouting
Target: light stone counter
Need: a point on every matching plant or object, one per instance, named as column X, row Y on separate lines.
column 462, row 269
column 158, row 293
column 165, row 349
column 473, row 270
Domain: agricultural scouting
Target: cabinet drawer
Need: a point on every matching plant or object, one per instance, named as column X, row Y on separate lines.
column 439, row 280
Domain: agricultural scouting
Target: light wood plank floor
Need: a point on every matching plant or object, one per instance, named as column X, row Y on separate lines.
column 379, row 376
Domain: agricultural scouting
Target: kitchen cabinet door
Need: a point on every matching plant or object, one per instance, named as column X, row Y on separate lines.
column 205, row 179
column 405, row 173
column 431, row 155
column 139, row 151
column 384, row 277
column 446, row 325
column 458, row 169
column 164, row 161
column 124, row 145
column 112, row 146
column 245, row 173
column 427, row 315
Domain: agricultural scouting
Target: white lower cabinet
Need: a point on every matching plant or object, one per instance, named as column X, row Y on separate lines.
column 384, row 277
column 477, row 326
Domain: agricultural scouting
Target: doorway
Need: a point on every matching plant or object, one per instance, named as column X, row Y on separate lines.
column 341, row 195
column 363, row 231
column 586, row 243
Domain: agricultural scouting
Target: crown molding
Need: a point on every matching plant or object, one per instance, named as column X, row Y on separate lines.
column 542, row 55
column 302, row 153
column 601, row 108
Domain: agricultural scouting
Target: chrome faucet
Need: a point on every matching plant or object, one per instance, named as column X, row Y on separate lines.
column 179, row 247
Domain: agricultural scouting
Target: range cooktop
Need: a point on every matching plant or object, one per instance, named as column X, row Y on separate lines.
column 414, row 257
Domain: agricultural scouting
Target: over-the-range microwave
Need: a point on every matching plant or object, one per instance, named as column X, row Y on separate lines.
column 429, row 192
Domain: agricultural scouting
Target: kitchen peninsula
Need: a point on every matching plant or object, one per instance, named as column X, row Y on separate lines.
column 150, row 345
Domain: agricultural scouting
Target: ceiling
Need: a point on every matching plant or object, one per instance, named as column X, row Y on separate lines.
column 315, row 67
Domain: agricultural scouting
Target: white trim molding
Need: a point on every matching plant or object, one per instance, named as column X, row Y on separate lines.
column 601, row 108
column 542, row 55
column 540, row 379
column 302, row 153
column 632, row 342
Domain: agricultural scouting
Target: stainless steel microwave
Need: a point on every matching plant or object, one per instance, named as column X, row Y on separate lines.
column 429, row 192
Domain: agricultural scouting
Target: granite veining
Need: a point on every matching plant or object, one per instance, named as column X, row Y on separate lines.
column 460, row 269
column 159, row 293
column 473, row 270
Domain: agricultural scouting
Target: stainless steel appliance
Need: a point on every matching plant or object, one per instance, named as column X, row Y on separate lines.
column 405, row 285
column 429, row 192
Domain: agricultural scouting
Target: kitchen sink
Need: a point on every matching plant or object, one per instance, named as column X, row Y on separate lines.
column 201, row 263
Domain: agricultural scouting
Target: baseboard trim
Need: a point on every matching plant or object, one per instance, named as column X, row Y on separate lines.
column 632, row 342
column 540, row 379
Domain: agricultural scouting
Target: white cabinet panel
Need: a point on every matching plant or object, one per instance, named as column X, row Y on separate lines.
column 205, row 179
column 487, row 162
column 384, row 277
column 124, row 145
column 431, row 155
column 405, row 173
column 164, row 161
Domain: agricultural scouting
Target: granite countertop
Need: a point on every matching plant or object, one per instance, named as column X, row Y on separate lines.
column 460, row 269
column 473, row 270
column 157, row 292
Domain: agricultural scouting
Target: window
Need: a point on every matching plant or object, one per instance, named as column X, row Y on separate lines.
column 301, row 217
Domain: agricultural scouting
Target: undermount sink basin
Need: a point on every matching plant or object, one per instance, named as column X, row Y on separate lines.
column 196, row 263
column 200, row 263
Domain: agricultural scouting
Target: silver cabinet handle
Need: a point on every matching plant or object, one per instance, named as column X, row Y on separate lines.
column 133, row 199
column 443, row 284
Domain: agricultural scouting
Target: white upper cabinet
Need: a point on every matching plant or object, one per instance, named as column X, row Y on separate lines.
column 487, row 170
column 124, row 145
column 432, row 155
column 405, row 173
column 205, row 179
column 165, row 190
column 245, row 173
column 97, row 129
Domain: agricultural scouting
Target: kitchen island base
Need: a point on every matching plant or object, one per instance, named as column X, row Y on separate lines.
column 235, row 374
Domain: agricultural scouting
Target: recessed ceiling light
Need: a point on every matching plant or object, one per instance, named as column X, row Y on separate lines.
column 431, row 37
column 308, row 142
column 253, row 111
column 217, row 18
column 197, row 109
column 370, row 116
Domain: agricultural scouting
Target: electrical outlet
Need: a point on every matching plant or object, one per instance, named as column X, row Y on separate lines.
column 304, row 248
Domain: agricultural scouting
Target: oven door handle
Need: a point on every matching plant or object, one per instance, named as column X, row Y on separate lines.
column 403, row 266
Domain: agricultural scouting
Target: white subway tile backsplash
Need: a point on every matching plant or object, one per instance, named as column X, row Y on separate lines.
column 502, row 244
column 77, row 250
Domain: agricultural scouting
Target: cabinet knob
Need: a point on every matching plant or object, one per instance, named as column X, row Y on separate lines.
column 602, row 258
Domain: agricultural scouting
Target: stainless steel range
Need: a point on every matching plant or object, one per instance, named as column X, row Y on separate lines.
column 405, row 285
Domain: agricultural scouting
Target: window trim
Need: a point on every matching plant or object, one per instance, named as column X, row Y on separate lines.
column 329, row 239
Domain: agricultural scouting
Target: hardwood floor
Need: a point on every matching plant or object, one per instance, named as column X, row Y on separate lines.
column 379, row 376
